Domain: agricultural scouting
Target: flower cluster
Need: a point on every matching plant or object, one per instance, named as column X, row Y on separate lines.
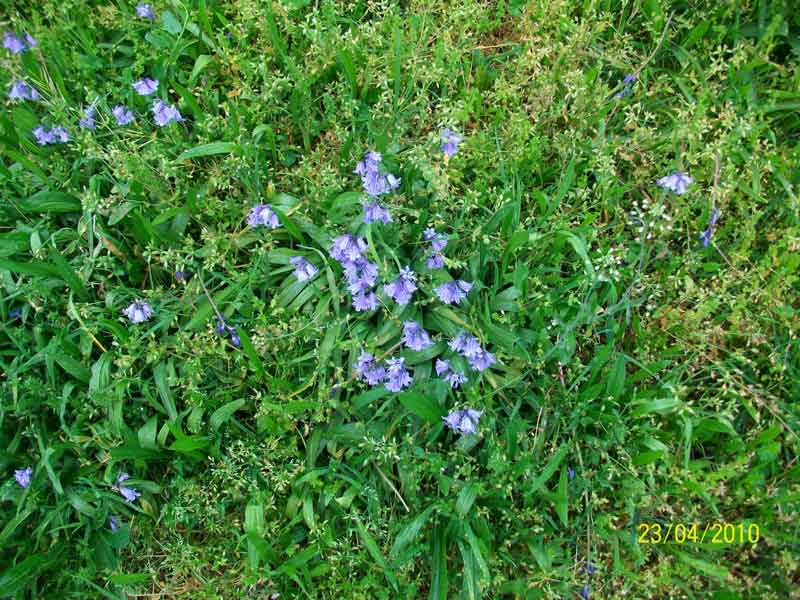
column 16, row 44
column 450, row 141
column 145, row 86
column 454, row 378
column 463, row 421
column 55, row 135
column 224, row 329
column 708, row 233
column 627, row 82
column 402, row 288
column 128, row 493
column 453, row 292
column 138, row 312
column 676, row 182
column 415, row 337
column 23, row 476
column 348, row 250
column 164, row 114
column 22, row 91
column 87, row 122
column 470, row 348
column 145, row 11
column 438, row 243
column 376, row 183
column 262, row 214
column 122, row 114
column 303, row 269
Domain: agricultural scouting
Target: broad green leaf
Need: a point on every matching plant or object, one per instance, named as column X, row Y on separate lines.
column 224, row 413
column 50, row 202
column 208, row 150
column 423, row 406
column 549, row 469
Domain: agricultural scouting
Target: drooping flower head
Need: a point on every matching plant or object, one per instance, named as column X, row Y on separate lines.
column 122, row 115
column 464, row 421
column 138, row 312
column 145, row 11
column 145, row 86
column 435, row 261
column 442, row 366
column 164, row 114
column 453, row 292
column 56, row 135
column 454, row 378
column 365, row 301
column 397, row 377
column 482, row 360
column 263, row 215
column 347, row 248
column 14, row 313
column 369, row 370
column 22, row 91
column 361, row 275
column 438, row 240
column 23, row 476
column 129, row 494
column 373, row 211
column 585, row 592
column 113, row 524
column 450, row 142
column 706, row 235
column 415, row 337
column 374, row 181
column 303, row 269
column 677, row 182
column 469, row 347
column 570, row 473
column 402, row 288
column 87, row 122
column 17, row 45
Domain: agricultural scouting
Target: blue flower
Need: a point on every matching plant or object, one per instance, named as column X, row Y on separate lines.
column 181, row 276
column 363, row 301
column 469, row 347
column 113, row 524
column 164, row 114
column 263, row 215
column 14, row 314
column 706, row 235
column 145, row 86
column 482, row 360
column 87, row 122
column 677, row 182
column 303, row 269
column 347, row 248
column 368, row 370
column 415, row 337
column 464, row 421
column 122, row 115
column 16, row 44
column 55, row 135
column 590, row 568
column 438, row 241
column 628, row 82
column 442, row 366
column 402, row 288
column 374, row 181
column 129, row 494
column 453, row 292
column 22, row 91
column 138, row 312
column 397, row 377
column 454, row 378
column 435, row 261
column 585, row 592
column 450, row 140
column 145, row 11
column 570, row 473
column 361, row 275
column 235, row 340
column 373, row 211
column 23, row 476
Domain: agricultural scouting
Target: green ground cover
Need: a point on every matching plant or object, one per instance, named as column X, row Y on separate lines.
column 641, row 378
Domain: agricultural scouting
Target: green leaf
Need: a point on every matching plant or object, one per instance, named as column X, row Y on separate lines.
column 422, row 406
column 160, row 375
column 208, row 150
column 562, row 501
column 205, row 310
column 466, row 498
column 249, row 349
column 14, row 579
column 224, row 413
column 68, row 274
column 50, row 202
column 147, row 433
column 375, row 552
column 293, row 230
column 549, row 469
column 410, row 532
column 439, row 576
column 73, row 367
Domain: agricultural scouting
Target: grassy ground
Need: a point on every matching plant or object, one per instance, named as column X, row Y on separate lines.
column 642, row 379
